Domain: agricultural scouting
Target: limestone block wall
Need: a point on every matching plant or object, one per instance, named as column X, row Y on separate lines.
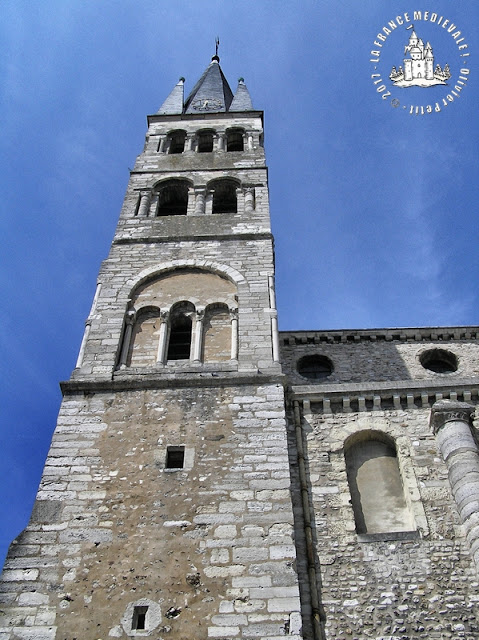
column 206, row 549
column 418, row 585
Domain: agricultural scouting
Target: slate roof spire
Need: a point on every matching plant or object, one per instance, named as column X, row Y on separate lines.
column 174, row 102
column 211, row 94
column 212, row 91
column 242, row 99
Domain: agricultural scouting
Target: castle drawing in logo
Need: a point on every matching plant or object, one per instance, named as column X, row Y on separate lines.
column 419, row 68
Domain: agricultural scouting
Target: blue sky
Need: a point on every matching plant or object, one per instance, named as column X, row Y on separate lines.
column 373, row 209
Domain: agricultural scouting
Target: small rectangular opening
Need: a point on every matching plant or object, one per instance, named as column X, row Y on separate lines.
column 139, row 618
column 175, row 457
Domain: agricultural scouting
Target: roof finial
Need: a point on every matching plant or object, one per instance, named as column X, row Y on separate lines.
column 216, row 58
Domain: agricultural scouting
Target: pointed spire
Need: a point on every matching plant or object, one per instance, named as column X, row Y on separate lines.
column 242, row 99
column 174, row 102
column 211, row 93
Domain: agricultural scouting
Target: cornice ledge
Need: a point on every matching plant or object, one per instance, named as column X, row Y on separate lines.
column 388, row 334
column 381, row 388
column 262, row 235
column 126, row 382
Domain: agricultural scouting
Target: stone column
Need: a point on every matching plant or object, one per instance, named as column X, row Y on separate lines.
column 220, row 141
column 234, row 333
column 274, row 319
column 83, row 344
column 161, row 144
column 200, row 316
column 250, row 140
column 86, row 333
column 125, row 347
column 191, row 206
column 451, row 422
column 200, row 198
column 144, row 207
column 161, row 355
column 190, row 138
column 249, row 200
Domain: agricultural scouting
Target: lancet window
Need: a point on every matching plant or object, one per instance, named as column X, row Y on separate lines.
column 181, row 325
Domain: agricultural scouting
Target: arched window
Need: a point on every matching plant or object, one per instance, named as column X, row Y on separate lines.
column 205, row 141
column 235, row 140
column 176, row 141
column 172, row 198
column 181, row 324
column 377, row 494
column 144, row 339
column 224, row 195
column 217, row 334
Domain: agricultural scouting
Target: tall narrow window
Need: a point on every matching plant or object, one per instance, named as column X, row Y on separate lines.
column 224, row 196
column 179, row 346
column 377, row 494
column 139, row 618
column 173, row 199
column 205, row 141
column 177, row 141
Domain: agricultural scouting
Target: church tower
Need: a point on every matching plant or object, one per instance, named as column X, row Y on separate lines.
column 164, row 509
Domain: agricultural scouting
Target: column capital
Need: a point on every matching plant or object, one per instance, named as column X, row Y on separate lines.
column 130, row 316
column 445, row 411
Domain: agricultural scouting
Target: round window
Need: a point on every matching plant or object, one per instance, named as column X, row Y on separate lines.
column 315, row 367
column 439, row 361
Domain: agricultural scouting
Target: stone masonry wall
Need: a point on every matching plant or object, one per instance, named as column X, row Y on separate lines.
column 385, row 587
column 392, row 355
column 207, row 548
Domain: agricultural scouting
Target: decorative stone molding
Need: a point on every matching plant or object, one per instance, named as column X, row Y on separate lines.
column 427, row 334
column 450, row 411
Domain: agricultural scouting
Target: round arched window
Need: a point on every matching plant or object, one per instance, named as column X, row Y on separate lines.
column 315, row 367
column 439, row 361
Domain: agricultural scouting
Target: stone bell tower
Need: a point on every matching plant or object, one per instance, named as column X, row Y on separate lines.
column 164, row 509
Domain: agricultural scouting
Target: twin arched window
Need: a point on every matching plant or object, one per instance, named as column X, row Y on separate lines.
column 375, row 484
column 172, row 197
